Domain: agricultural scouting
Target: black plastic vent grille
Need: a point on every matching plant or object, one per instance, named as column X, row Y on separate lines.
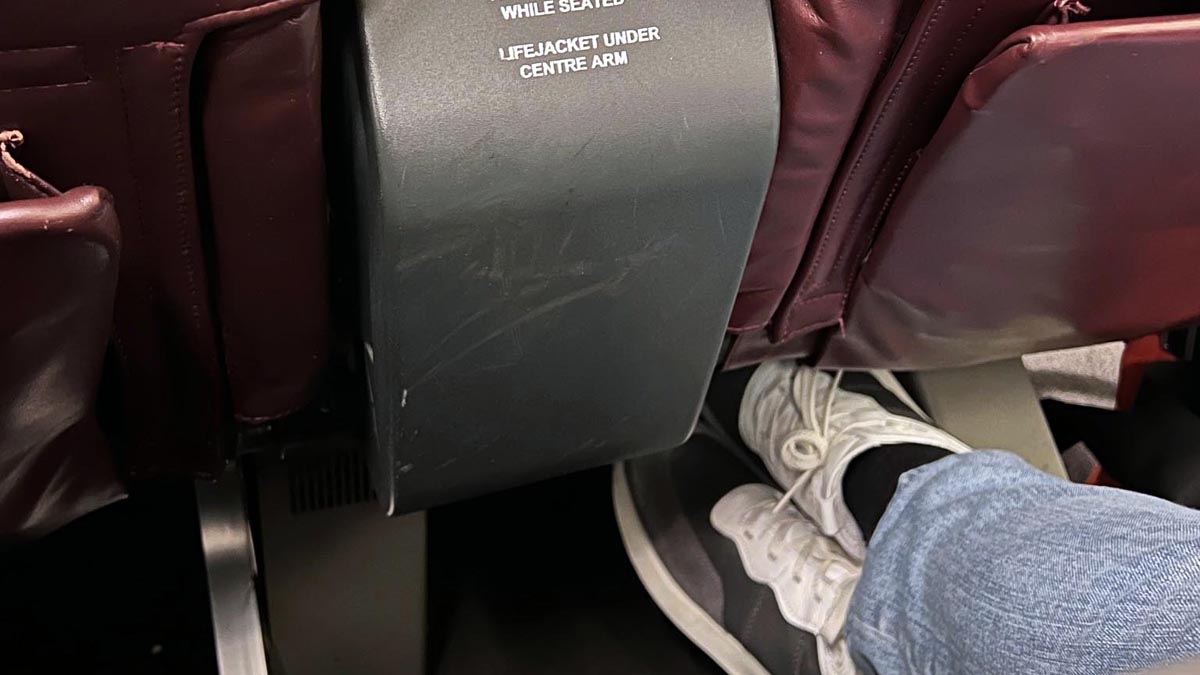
column 328, row 480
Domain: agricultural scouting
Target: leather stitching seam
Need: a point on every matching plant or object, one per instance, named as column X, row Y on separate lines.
column 883, row 114
column 789, row 330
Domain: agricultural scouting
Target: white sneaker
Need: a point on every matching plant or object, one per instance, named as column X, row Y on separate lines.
column 811, row 576
column 807, row 430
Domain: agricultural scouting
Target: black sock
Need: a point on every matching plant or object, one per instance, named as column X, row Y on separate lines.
column 871, row 479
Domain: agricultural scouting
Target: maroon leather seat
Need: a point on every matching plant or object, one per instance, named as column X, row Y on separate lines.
column 948, row 281
column 201, row 119
column 1057, row 205
column 58, row 271
column 925, row 210
column 830, row 52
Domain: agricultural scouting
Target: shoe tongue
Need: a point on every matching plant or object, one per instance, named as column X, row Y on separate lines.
column 867, row 385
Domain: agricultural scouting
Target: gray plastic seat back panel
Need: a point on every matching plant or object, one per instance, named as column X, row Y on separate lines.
column 551, row 241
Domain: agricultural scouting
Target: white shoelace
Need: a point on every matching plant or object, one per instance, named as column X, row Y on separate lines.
column 805, row 450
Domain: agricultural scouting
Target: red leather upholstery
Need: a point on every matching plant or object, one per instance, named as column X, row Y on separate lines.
column 200, row 117
column 58, row 274
column 830, row 52
column 267, row 190
column 944, row 42
column 1057, row 205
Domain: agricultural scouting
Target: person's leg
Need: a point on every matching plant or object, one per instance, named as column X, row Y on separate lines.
column 982, row 564
column 872, row 478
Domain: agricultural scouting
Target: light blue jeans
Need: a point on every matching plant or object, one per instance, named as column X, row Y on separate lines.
column 983, row 564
